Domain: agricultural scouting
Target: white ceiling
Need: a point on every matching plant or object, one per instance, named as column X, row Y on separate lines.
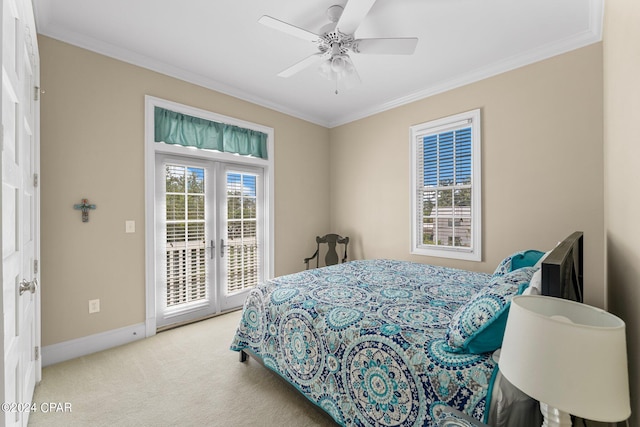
column 219, row 44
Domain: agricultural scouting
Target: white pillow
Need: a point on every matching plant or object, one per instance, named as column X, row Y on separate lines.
column 535, row 285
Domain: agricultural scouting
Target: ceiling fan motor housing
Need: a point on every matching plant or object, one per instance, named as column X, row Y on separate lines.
column 335, row 43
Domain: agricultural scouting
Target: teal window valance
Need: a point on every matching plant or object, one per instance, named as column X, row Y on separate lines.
column 189, row 131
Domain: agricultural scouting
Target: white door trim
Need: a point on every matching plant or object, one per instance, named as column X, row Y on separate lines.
column 152, row 148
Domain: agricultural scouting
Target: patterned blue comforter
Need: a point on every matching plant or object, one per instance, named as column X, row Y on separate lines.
column 364, row 340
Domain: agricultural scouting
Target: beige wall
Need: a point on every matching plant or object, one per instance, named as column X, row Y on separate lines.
column 622, row 175
column 542, row 175
column 534, row 190
column 92, row 135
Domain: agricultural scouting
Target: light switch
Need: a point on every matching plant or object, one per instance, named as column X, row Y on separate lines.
column 130, row 226
column 94, row 306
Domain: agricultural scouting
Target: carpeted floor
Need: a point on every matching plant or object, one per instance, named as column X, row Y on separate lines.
column 182, row 377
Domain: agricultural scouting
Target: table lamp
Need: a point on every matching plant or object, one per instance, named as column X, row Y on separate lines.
column 571, row 357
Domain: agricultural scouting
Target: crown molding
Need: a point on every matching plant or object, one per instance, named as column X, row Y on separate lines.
column 527, row 58
column 143, row 61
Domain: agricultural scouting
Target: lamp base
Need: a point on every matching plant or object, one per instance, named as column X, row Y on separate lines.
column 554, row 417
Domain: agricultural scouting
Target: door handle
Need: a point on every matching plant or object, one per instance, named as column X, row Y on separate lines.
column 28, row 286
column 222, row 246
column 211, row 248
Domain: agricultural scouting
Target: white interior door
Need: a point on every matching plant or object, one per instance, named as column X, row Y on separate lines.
column 20, row 211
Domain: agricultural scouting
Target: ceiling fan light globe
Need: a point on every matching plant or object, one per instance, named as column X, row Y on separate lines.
column 339, row 64
column 348, row 65
column 326, row 71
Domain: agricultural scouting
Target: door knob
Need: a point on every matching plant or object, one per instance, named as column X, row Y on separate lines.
column 25, row 286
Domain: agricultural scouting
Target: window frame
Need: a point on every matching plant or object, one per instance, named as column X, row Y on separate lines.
column 418, row 132
column 153, row 149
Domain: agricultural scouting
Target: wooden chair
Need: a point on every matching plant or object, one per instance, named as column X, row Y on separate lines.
column 331, row 257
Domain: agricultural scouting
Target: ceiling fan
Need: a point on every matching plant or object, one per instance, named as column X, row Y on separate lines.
column 336, row 39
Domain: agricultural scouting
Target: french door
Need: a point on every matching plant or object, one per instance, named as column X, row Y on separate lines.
column 209, row 236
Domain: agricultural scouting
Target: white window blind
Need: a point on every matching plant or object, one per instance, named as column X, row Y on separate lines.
column 446, row 205
column 242, row 232
column 186, row 240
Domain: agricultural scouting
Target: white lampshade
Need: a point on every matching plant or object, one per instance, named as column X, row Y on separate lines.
column 568, row 355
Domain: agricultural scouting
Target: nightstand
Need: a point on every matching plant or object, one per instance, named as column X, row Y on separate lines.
column 450, row 417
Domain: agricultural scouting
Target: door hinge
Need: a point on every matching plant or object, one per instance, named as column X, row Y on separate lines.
column 36, row 93
column 35, row 179
column 36, row 354
column 35, row 266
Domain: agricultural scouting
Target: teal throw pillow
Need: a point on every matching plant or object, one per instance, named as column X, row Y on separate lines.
column 518, row 260
column 478, row 326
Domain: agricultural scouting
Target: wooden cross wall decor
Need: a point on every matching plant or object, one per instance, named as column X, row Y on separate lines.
column 84, row 207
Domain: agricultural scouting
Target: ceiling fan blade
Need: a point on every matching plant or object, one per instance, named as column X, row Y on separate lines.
column 305, row 63
column 353, row 14
column 386, row 46
column 288, row 28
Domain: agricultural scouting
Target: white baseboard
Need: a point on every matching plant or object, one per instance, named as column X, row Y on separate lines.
column 71, row 349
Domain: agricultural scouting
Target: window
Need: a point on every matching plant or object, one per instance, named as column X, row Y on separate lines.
column 445, row 181
column 242, row 231
column 185, row 243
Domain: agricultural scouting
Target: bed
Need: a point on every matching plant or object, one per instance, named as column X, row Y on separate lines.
column 396, row 343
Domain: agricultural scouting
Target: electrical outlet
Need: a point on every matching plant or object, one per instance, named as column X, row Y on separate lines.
column 94, row 306
column 129, row 226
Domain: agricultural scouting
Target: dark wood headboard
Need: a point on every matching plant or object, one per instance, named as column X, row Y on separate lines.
column 562, row 269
